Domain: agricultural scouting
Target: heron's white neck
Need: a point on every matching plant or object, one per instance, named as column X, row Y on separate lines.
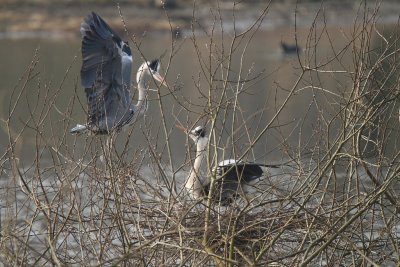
column 142, row 80
column 193, row 183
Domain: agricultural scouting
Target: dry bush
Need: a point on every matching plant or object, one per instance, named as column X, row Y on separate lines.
column 82, row 201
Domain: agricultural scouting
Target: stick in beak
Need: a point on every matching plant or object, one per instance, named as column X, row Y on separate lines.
column 160, row 78
column 183, row 129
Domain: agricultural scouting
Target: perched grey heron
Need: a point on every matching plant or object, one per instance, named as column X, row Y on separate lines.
column 230, row 174
column 106, row 77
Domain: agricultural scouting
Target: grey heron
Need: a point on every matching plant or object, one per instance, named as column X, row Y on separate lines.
column 106, row 77
column 230, row 174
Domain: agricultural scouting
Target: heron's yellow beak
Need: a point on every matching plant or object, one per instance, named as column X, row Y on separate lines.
column 183, row 129
column 160, row 78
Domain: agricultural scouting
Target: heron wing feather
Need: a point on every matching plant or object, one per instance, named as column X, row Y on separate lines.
column 105, row 74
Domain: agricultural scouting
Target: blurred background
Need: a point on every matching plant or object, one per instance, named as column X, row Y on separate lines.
column 48, row 33
column 61, row 19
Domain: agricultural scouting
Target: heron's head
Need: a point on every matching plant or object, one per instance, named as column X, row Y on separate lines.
column 123, row 47
column 126, row 49
column 152, row 69
column 198, row 135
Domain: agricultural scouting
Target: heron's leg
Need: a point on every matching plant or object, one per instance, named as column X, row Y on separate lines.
column 107, row 151
column 110, row 148
column 116, row 187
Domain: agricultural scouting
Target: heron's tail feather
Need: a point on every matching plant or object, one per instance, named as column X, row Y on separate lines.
column 79, row 129
column 278, row 165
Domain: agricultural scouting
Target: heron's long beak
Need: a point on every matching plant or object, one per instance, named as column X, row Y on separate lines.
column 183, row 129
column 160, row 78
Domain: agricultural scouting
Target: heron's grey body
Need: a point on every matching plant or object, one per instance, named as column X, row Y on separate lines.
column 106, row 76
column 231, row 174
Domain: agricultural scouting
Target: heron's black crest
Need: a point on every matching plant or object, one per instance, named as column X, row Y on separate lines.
column 126, row 48
column 123, row 45
column 200, row 131
column 154, row 65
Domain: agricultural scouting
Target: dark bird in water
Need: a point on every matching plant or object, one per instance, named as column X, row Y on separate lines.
column 106, row 76
column 230, row 174
column 290, row 49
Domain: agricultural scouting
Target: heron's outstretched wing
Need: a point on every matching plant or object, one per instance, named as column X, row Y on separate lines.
column 105, row 74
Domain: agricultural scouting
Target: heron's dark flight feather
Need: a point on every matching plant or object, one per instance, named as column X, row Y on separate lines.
column 105, row 75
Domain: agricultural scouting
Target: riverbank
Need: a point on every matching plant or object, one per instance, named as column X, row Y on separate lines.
column 62, row 20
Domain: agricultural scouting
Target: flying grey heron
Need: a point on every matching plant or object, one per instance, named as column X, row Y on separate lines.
column 230, row 174
column 106, row 77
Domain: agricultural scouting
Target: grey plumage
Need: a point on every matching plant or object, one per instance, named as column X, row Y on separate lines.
column 230, row 174
column 106, row 76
